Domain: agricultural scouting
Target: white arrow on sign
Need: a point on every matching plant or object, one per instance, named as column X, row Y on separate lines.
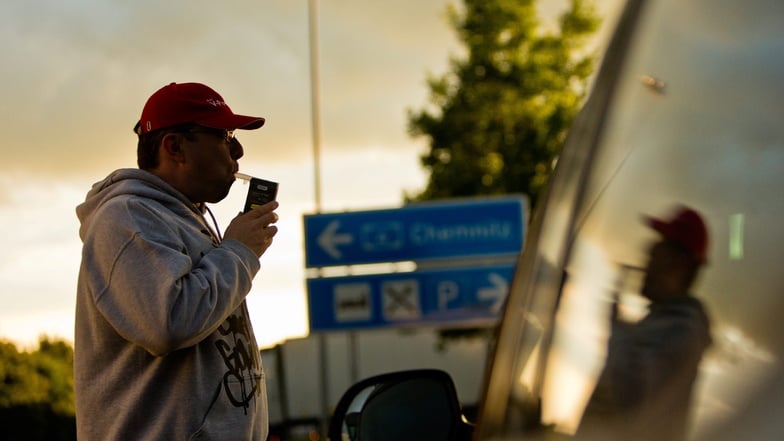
column 329, row 240
column 496, row 293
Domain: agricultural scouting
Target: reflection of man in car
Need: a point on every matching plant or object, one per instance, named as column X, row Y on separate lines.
column 644, row 391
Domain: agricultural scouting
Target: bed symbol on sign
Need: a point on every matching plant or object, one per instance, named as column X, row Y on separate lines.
column 352, row 302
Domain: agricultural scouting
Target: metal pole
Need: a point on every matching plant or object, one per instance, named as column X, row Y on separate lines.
column 316, row 136
column 353, row 356
column 283, row 393
column 315, row 103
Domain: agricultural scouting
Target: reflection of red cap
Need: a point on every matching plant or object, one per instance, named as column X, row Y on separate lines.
column 685, row 228
column 184, row 103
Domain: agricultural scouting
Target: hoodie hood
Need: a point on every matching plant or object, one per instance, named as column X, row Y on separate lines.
column 131, row 182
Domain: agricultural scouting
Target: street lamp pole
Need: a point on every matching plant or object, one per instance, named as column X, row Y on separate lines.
column 315, row 106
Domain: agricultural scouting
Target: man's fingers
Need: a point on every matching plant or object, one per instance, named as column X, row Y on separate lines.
column 264, row 209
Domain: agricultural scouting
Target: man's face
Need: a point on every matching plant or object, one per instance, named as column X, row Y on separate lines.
column 663, row 278
column 212, row 159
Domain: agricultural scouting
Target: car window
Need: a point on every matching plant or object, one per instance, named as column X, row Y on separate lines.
column 695, row 121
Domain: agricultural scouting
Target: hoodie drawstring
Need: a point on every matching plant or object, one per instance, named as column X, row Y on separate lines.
column 215, row 223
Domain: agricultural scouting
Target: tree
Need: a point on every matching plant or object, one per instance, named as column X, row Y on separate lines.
column 497, row 121
column 36, row 392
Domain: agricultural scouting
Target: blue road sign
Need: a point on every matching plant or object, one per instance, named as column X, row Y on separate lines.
column 466, row 296
column 465, row 228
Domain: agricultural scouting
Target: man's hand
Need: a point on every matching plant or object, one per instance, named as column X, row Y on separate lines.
column 255, row 228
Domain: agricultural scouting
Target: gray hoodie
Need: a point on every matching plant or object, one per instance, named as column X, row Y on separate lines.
column 164, row 348
column 645, row 389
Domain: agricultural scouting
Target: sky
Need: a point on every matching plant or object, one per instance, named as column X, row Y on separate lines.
column 76, row 73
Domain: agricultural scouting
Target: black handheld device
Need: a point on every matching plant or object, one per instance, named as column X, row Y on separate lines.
column 260, row 192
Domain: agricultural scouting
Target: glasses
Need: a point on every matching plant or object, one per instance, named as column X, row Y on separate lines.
column 226, row 136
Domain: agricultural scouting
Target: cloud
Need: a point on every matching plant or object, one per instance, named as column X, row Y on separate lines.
column 76, row 73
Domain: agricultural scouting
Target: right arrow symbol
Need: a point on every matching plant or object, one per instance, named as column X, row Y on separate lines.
column 496, row 293
column 329, row 239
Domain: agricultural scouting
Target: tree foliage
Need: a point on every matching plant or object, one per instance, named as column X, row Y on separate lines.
column 497, row 121
column 36, row 392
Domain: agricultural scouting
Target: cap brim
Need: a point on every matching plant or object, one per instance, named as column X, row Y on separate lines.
column 233, row 122
column 657, row 225
column 252, row 123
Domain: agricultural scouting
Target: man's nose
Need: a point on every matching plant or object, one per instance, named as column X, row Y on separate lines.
column 235, row 149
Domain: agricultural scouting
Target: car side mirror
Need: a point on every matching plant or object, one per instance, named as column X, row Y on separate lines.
column 407, row 405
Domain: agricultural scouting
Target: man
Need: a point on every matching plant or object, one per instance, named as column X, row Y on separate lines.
column 164, row 348
column 644, row 391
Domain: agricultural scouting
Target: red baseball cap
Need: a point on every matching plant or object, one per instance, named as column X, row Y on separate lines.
column 183, row 103
column 685, row 228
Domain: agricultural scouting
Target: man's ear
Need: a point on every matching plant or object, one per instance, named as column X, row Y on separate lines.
column 171, row 148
